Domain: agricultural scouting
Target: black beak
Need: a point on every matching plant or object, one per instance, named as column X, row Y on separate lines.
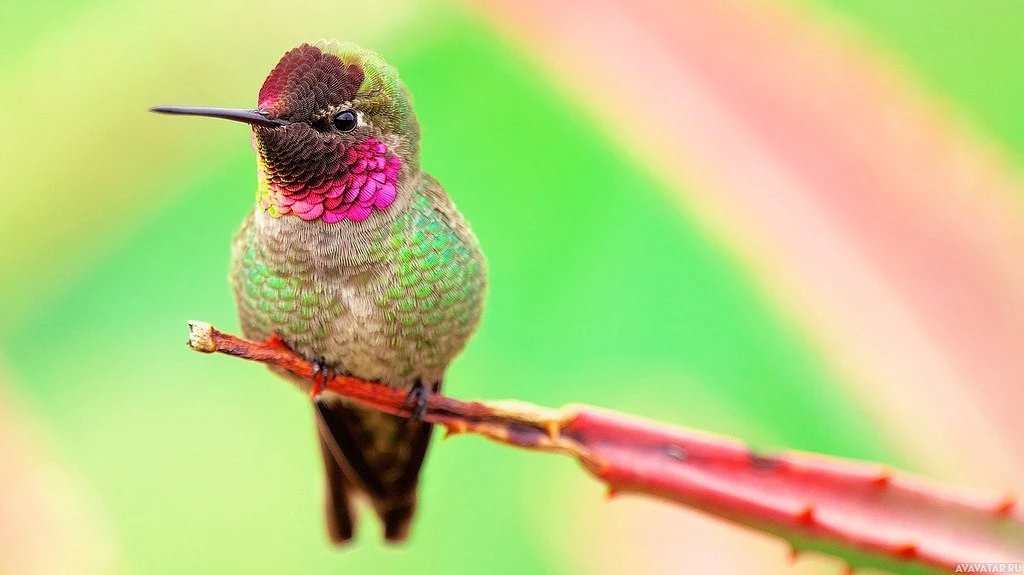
column 253, row 117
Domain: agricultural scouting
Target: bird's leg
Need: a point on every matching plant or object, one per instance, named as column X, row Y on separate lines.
column 319, row 369
column 416, row 401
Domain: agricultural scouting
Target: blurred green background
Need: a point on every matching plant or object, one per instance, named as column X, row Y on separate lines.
column 116, row 228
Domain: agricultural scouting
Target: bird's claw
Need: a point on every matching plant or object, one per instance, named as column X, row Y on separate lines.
column 321, row 373
column 416, row 401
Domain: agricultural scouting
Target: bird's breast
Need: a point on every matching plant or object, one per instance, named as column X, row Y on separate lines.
column 393, row 303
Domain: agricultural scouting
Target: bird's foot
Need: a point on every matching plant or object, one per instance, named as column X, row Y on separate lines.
column 321, row 375
column 416, row 401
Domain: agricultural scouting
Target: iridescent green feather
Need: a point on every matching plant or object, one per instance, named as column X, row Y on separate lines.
column 434, row 288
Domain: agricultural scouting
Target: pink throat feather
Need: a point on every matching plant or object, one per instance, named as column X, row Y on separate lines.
column 368, row 182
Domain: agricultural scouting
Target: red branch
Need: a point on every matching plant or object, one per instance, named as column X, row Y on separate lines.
column 866, row 514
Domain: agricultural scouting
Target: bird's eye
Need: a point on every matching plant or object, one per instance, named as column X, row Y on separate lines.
column 346, row 121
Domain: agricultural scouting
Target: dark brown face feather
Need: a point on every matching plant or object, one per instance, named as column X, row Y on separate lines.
column 307, row 82
column 297, row 156
column 304, row 85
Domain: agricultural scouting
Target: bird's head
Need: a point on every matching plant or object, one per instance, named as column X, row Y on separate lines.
column 334, row 132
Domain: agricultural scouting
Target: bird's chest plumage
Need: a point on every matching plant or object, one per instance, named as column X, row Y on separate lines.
column 393, row 302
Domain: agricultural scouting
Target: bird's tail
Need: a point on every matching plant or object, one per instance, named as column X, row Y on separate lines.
column 377, row 454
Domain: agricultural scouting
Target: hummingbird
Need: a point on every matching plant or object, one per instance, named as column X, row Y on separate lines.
column 357, row 260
